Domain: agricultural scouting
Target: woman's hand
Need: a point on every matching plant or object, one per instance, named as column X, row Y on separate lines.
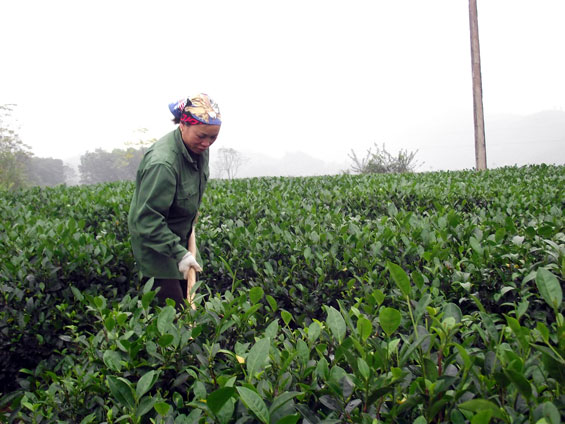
column 188, row 261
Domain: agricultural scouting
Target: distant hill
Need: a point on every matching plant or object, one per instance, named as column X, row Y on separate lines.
column 510, row 140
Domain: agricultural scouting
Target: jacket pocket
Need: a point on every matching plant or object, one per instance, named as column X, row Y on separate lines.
column 186, row 200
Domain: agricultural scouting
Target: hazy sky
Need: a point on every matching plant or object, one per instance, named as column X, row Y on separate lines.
column 321, row 77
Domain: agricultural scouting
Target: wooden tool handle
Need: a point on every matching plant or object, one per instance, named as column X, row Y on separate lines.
column 191, row 281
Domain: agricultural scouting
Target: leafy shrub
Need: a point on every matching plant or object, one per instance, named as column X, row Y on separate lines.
column 403, row 298
column 382, row 162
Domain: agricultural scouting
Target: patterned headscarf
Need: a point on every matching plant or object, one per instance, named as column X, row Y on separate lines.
column 195, row 110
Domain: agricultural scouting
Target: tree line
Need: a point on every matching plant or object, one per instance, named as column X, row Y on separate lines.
column 20, row 168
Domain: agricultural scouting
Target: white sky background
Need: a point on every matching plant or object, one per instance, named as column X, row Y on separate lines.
column 321, row 77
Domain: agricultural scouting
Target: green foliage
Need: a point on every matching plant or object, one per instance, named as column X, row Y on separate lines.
column 46, row 171
column 118, row 165
column 14, row 154
column 429, row 298
column 383, row 162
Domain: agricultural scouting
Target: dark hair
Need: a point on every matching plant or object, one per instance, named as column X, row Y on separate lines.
column 176, row 120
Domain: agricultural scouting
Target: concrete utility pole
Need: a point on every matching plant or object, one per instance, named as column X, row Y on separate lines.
column 480, row 147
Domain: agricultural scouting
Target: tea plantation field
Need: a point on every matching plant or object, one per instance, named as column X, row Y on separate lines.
column 416, row 298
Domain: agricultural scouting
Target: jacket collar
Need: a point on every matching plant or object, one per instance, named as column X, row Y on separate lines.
column 182, row 148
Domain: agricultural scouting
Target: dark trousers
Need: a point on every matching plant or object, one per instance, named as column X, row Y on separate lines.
column 170, row 289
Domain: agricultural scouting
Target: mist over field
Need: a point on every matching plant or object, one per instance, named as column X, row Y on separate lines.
column 510, row 140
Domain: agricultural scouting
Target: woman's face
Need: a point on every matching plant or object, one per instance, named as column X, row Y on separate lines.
column 199, row 137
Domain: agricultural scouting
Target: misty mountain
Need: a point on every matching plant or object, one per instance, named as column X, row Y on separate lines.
column 510, row 140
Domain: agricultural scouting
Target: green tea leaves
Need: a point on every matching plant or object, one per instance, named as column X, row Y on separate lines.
column 145, row 383
column 400, row 278
column 480, row 405
column 549, row 288
column 254, row 402
column 336, row 323
column 255, row 295
column 122, row 391
column 258, row 357
column 165, row 320
column 217, row 399
column 390, row 320
column 113, row 359
column 364, row 328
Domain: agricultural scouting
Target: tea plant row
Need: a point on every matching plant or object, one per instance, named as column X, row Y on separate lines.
column 423, row 298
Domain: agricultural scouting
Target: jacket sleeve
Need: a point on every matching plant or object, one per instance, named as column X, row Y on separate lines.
column 156, row 193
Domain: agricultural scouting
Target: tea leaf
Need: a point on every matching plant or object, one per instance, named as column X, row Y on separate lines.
column 121, row 390
column 363, row 368
column 551, row 413
column 364, row 328
column 286, row 316
column 254, row 402
column 476, row 246
column 145, row 405
column 78, row 295
column 165, row 319
column 88, row 419
column 162, row 408
column 452, row 310
column 289, row 419
column 400, row 278
column 389, row 319
column 478, row 405
column 302, row 351
column 148, row 286
column 272, row 302
column 336, row 323
column 272, row 329
column 544, row 331
column 379, row 296
column 549, row 288
column 314, row 331
column 165, row 340
column 330, row 402
column 281, row 400
column 482, row 417
column 464, row 355
column 255, row 294
column 521, row 383
column 258, row 357
column 112, row 359
column 145, row 383
column 217, row 399
column 147, row 298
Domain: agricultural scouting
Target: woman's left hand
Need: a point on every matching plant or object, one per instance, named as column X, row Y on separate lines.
column 188, row 261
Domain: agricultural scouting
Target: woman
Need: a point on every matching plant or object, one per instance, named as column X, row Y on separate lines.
column 170, row 182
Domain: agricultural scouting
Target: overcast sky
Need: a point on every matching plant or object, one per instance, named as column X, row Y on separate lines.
column 321, row 77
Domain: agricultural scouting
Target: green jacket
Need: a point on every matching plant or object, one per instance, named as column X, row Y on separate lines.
column 168, row 190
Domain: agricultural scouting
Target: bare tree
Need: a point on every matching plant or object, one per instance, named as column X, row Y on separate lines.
column 228, row 162
column 382, row 162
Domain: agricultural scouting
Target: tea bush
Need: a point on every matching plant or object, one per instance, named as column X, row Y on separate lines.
column 378, row 298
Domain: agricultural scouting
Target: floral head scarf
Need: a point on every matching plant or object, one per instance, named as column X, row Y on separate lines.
column 195, row 110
